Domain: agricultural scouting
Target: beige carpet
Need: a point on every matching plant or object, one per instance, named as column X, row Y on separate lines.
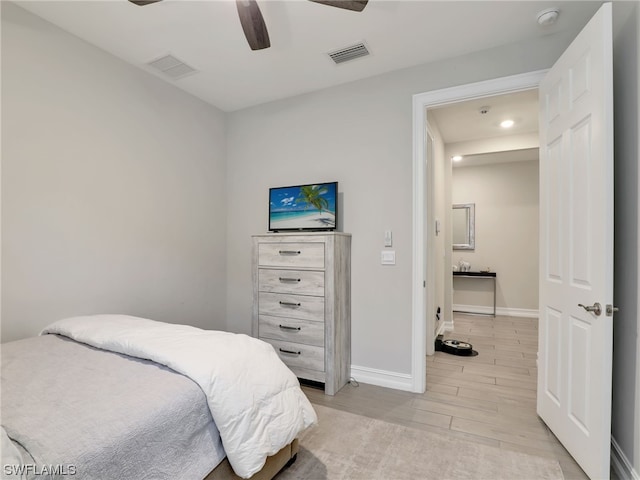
column 347, row 446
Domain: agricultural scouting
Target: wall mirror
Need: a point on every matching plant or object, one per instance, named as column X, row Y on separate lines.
column 463, row 222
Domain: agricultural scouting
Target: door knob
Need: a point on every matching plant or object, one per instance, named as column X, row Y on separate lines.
column 595, row 308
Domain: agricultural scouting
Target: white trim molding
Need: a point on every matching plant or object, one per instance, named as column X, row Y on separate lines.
column 419, row 307
column 502, row 311
column 446, row 327
column 443, row 327
column 621, row 464
column 382, row 378
column 422, row 102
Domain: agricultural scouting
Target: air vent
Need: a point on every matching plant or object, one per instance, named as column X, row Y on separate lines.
column 171, row 67
column 349, row 53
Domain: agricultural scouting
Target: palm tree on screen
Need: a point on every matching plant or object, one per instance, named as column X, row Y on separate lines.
column 312, row 195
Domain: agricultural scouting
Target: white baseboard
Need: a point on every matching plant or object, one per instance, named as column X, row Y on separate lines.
column 447, row 327
column 502, row 311
column 444, row 327
column 621, row 464
column 382, row 378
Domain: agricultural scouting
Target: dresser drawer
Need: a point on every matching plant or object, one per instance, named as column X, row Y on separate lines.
column 299, row 282
column 297, row 255
column 303, row 307
column 292, row 330
column 298, row 355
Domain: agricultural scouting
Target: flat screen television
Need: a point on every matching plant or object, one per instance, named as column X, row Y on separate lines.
column 310, row 207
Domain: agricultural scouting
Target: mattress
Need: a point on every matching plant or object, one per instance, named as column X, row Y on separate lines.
column 103, row 415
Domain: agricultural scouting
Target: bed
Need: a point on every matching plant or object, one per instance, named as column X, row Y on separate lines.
column 119, row 397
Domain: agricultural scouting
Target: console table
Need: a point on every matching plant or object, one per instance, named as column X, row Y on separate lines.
column 480, row 275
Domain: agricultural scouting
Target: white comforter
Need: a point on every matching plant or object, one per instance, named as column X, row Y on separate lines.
column 255, row 400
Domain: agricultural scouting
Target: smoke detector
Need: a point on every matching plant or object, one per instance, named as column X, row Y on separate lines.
column 484, row 109
column 548, row 16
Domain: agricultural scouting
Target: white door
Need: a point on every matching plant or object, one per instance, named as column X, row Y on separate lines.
column 576, row 246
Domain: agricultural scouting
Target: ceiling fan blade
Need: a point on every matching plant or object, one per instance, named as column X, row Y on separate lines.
column 142, row 3
column 354, row 5
column 253, row 24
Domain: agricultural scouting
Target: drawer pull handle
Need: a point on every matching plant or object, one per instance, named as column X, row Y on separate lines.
column 286, row 327
column 289, row 304
column 286, row 279
column 289, row 252
column 290, row 352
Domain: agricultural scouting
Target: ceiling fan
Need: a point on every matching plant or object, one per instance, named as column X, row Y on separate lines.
column 253, row 24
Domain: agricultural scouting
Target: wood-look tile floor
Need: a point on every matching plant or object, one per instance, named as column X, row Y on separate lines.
column 488, row 399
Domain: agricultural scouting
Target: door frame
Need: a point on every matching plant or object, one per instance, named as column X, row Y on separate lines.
column 421, row 336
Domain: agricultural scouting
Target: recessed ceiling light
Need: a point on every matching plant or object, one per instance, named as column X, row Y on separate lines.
column 548, row 17
column 507, row 124
column 456, row 158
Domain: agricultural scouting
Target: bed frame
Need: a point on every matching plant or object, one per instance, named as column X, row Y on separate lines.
column 275, row 463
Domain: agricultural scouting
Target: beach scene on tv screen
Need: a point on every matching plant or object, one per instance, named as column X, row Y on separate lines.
column 303, row 207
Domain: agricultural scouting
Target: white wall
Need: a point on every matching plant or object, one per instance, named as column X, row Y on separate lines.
column 113, row 187
column 440, row 246
column 625, row 421
column 506, row 234
column 359, row 134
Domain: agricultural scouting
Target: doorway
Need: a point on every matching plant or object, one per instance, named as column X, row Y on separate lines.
column 514, row 392
column 423, row 304
column 486, row 167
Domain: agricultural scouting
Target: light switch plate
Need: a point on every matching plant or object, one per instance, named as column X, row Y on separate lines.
column 388, row 238
column 388, row 257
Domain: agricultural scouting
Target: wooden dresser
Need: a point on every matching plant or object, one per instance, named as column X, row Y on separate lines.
column 302, row 302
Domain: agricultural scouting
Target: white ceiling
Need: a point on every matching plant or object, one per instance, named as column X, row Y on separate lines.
column 480, row 119
column 207, row 36
column 463, row 122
